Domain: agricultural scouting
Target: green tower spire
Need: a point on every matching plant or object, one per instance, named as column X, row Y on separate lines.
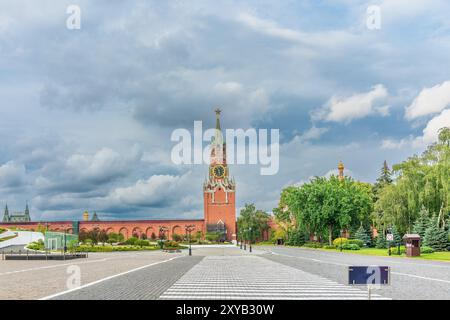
column 6, row 215
column 95, row 217
column 27, row 213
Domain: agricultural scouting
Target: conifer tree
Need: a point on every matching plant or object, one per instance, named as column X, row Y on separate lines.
column 362, row 235
column 384, row 179
column 398, row 239
column 422, row 223
column 386, row 175
column 381, row 242
column 436, row 237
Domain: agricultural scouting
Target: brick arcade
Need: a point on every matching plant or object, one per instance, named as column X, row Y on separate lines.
column 219, row 194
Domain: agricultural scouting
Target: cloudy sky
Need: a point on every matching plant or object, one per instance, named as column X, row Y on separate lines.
column 86, row 115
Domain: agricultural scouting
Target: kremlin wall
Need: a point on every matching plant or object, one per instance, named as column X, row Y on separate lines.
column 219, row 191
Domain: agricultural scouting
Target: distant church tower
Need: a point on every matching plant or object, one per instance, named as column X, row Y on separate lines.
column 219, row 190
column 17, row 217
column 6, row 214
column 341, row 171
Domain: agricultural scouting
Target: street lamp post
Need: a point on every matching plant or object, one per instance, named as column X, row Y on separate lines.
column 162, row 231
column 189, row 230
column 245, row 240
column 240, row 238
column 250, row 238
column 65, row 241
column 389, row 242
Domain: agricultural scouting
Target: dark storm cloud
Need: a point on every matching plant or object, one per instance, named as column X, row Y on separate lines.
column 74, row 103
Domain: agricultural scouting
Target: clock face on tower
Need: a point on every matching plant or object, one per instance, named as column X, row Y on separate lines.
column 218, row 171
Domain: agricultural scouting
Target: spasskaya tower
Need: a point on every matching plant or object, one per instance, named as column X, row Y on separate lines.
column 219, row 190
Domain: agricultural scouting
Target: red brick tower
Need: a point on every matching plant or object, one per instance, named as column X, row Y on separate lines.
column 219, row 190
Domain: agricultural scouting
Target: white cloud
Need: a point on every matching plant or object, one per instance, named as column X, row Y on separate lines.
column 313, row 133
column 5, row 23
column 99, row 165
column 429, row 101
column 12, row 175
column 153, row 191
column 407, row 9
column 430, row 134
column 361, row 105
column 331, row 38
column 335, row 172
column 390, row 144
column 431, row 131
column 283, row 56
column 228, row 87
column 84, row 172
column 269, row 28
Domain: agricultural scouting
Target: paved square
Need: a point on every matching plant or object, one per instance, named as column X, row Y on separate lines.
column 253, row 277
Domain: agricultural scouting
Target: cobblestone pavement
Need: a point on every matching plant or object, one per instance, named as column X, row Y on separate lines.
column 145, row 284
column 410, row 278
column 13, row 249
column 253, row 277
column 37, row 279
column 220, row 273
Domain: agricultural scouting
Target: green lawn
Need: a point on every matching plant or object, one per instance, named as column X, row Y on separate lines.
column 439, row 256
column 442, row 256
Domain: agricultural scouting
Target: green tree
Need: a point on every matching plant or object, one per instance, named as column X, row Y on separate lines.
column 436, row 237
column 198, row 236
column 102, row 236
column 142, row 243
column 72, row 245
column 177, row 237
column 113, row 238
column 296, row 237
column 380, row 242
column 132, row 241
column 398, row 239
column 212, row 236
column 94, row 236
column 326, row 206
column 421, row 181
column 422, row 223
column 253, row 221
column 83, row 236
column 384, row 179
column 362, row 235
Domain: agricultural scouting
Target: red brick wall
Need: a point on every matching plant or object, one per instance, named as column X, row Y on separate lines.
column 127, row 228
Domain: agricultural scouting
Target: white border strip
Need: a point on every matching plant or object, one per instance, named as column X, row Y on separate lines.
column 105, row 279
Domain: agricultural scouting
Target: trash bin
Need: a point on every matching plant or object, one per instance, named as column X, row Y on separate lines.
column 412, row 244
